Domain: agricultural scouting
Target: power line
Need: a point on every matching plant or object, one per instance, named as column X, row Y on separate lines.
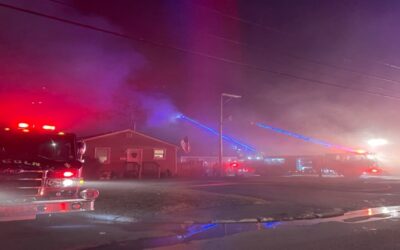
column 269, row 29
column 308, row 60
column 375, row 77
column 62, row 2
column 182, row 50
column 255, row 24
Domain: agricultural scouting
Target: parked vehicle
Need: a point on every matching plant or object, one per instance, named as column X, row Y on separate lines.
column 41, row 173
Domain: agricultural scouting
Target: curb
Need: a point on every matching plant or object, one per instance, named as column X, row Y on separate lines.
column 109, row 218
column 334, row 213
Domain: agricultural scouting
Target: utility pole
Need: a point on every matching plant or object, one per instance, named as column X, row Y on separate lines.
column 221, row 147
column 221, row 121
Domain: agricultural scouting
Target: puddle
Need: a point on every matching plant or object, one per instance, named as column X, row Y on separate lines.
column 216, row 230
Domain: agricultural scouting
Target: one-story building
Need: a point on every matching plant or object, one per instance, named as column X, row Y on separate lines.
column 195, row 166
column 128, row 153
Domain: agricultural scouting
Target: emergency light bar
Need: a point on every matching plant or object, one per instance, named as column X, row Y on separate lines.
column 23, row 125
column 26, row 127
column 49, row 127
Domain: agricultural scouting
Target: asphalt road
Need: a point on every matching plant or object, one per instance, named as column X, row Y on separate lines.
column 250, row 213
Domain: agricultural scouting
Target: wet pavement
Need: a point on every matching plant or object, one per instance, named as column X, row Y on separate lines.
column 215, row 230
column 230, row 214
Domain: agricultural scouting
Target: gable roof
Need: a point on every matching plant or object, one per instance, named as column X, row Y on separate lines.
column 93, row 137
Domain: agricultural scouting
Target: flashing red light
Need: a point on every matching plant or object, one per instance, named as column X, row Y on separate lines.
column 360, row 151
column 63, row 206
column 49, row 127
column 23, row 125
column 234, row 164
column 68, row 174
column 61, row 133
column 374, row 170
column 25, row 130
column 63, row 173
column 7, row 129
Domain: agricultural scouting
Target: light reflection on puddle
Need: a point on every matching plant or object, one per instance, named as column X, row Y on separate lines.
column 216, row 230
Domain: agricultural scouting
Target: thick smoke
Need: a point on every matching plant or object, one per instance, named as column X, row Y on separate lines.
column 75, row 77
column 86, row 80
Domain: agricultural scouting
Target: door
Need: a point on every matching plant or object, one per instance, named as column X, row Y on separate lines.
column 134, row 158
column 134, row 155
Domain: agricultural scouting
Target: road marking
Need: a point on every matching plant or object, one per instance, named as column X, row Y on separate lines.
column 217, row 184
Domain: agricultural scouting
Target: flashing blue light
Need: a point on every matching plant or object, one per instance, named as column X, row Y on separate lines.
column 196, row 229
column 173, row 118
column 215, row 132
column 271, row 224
column 305, row 138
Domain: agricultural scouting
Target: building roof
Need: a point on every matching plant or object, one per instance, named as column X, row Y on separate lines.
column 93, row 137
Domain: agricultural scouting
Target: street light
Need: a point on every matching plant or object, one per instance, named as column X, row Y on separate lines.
column 221, row 120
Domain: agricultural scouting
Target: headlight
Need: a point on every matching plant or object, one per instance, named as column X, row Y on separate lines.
column 57, row 183
column 68, row 183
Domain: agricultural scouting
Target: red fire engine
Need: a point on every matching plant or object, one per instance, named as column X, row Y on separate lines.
column 236, row 168
column 41, row 173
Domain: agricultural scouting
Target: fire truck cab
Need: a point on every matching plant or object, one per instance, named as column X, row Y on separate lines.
column 41, row 173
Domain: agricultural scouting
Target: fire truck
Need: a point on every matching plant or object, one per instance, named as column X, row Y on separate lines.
column 41, row 173
column 238, row 169
column 351, row 164
column 348, row 164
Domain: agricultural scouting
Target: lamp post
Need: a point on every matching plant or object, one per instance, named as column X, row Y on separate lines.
column 221, row 121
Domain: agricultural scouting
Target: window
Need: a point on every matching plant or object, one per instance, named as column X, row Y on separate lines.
column 159, row 154
column 103, row 155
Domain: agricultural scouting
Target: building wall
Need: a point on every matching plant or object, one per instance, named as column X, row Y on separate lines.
column 119, row 143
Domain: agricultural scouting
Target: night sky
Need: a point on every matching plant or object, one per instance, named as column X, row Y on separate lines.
column 326, row 69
